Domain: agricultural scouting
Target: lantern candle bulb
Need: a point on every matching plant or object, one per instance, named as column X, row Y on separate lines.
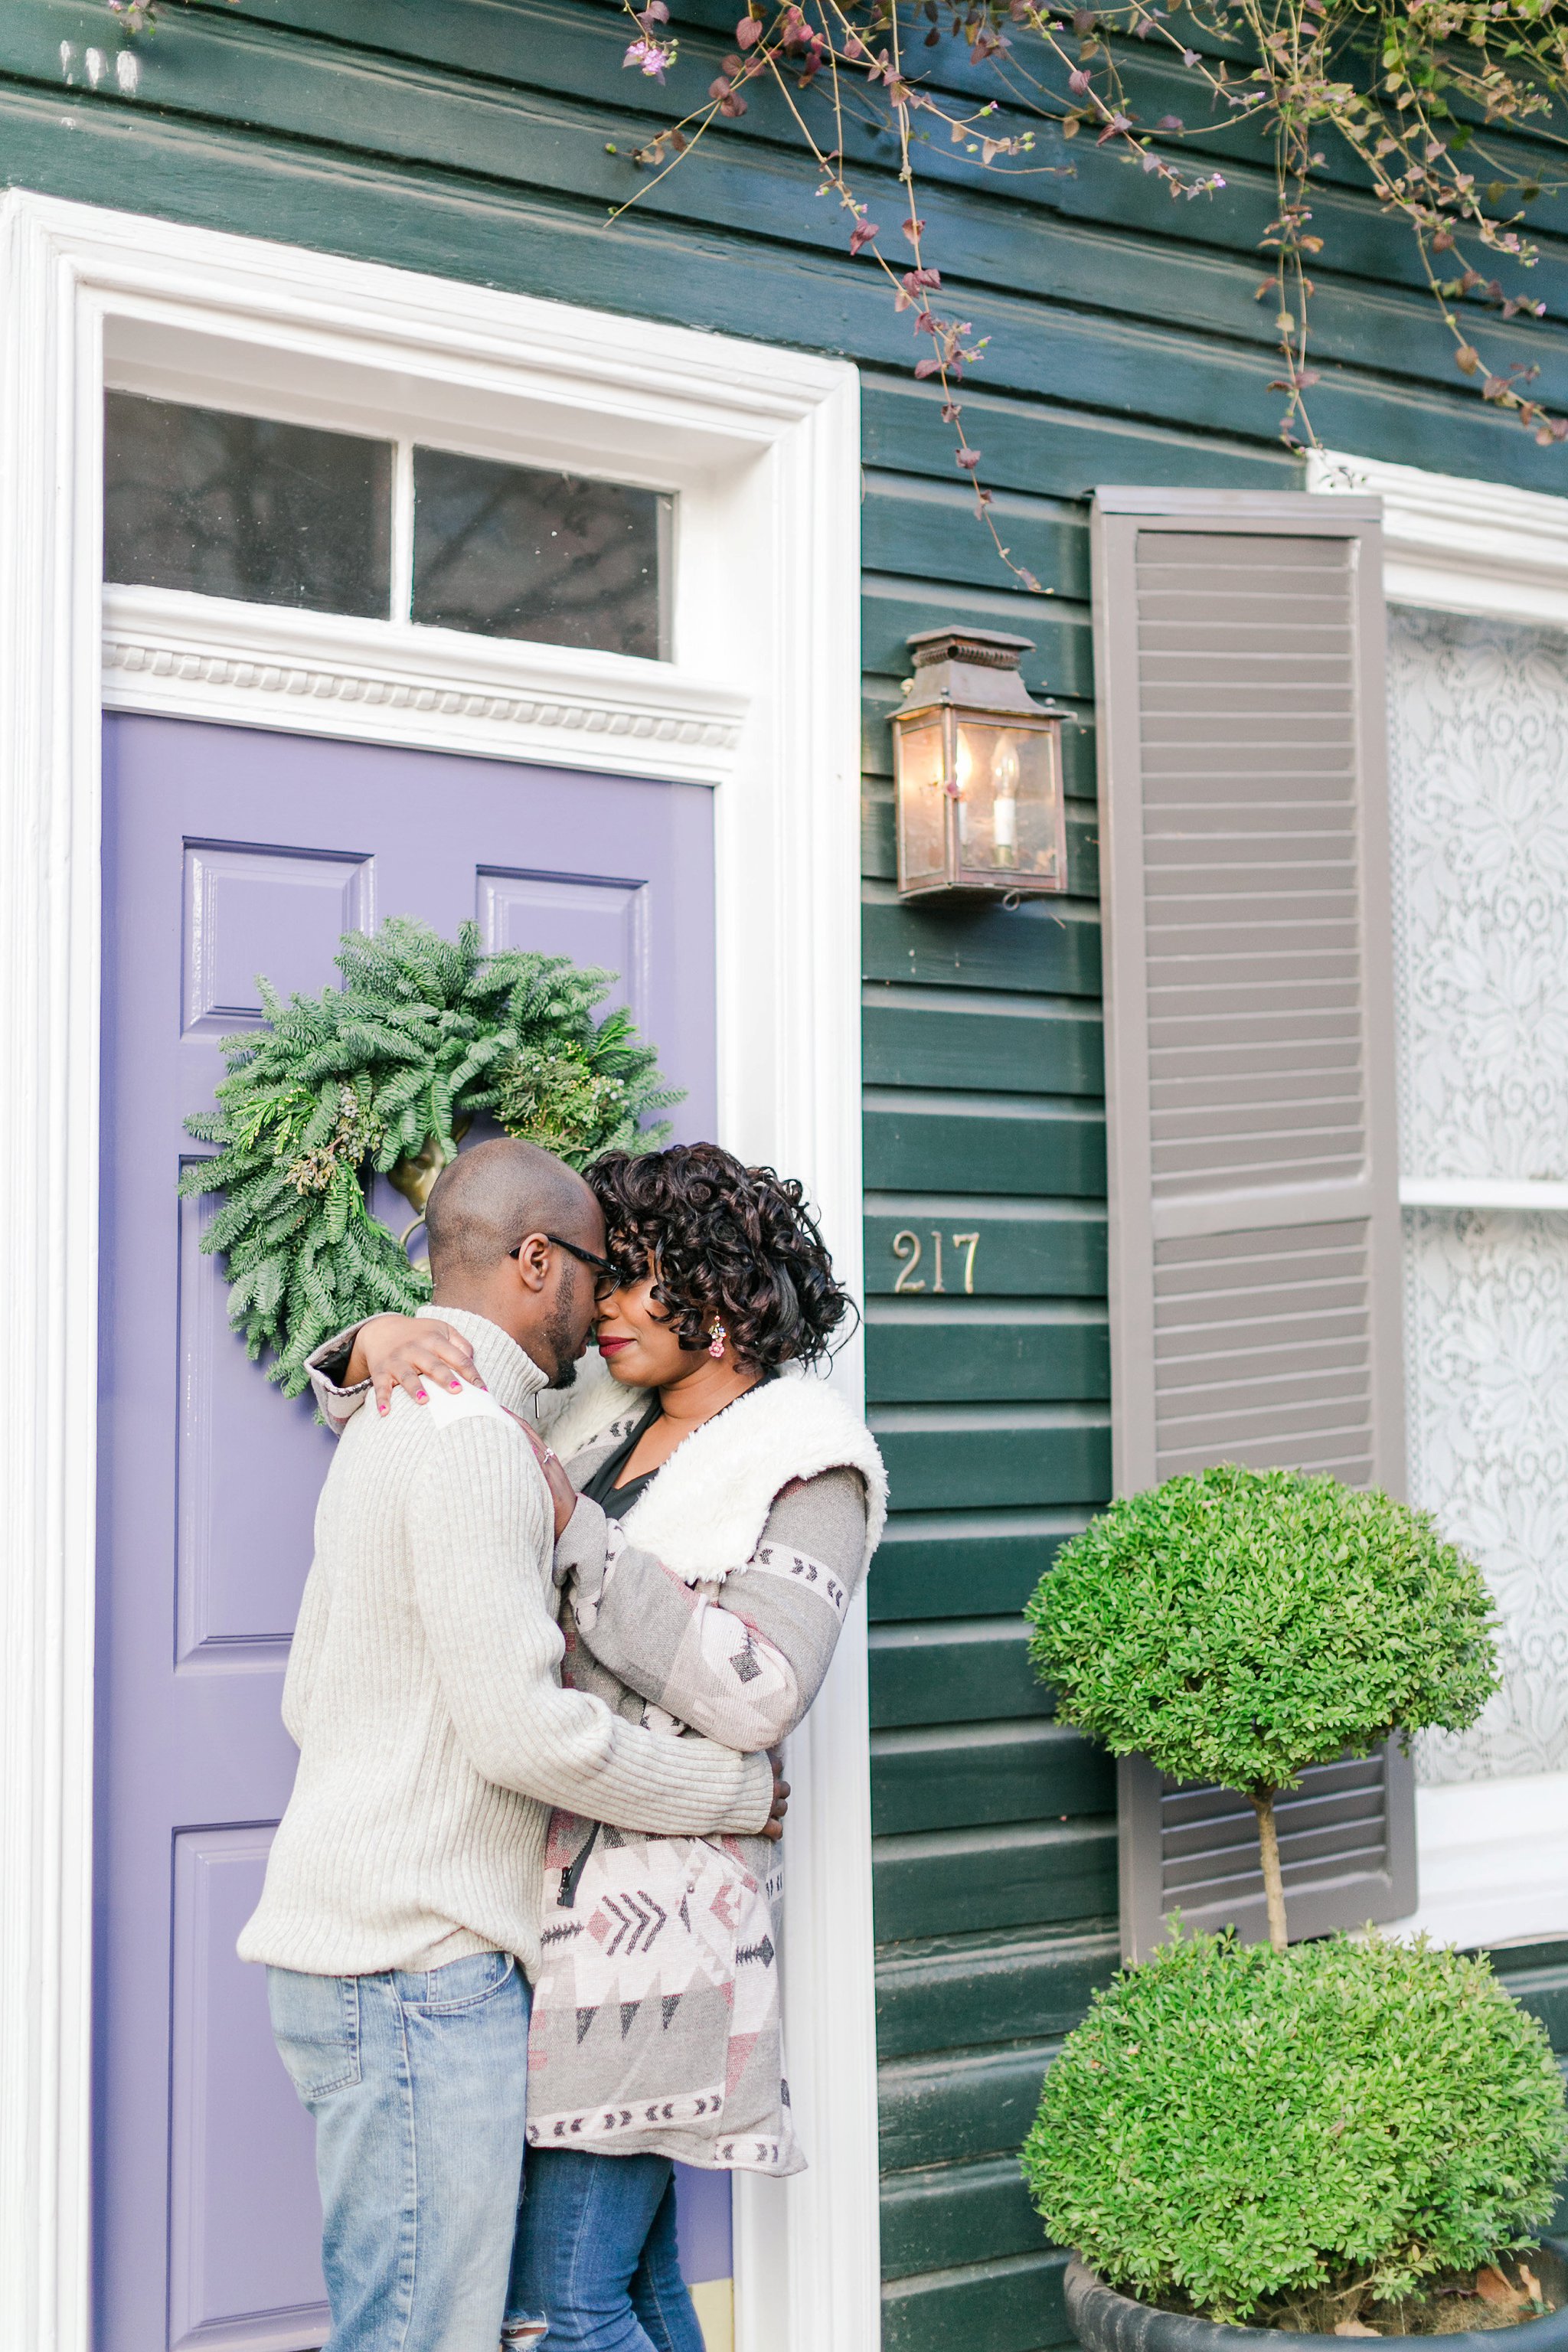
column 1006, row 768
column 977, row 773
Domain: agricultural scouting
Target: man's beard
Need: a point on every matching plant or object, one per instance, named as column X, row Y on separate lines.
column 562, row 1340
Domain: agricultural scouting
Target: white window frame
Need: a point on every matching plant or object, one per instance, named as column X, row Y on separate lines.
column 761, row 445
column 1492, row 1854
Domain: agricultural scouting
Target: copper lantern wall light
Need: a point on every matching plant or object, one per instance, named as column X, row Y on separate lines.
column 977, row 771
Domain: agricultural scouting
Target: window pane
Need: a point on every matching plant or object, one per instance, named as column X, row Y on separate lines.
column 1479, row 789
column 511, row 552
column 240, row 506
column 923, row 804
column 1008, row 804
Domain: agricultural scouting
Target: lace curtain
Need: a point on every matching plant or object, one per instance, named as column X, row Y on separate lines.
column 1478, row 740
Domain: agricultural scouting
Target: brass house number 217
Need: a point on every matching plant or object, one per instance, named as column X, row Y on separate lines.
column 909, row 1249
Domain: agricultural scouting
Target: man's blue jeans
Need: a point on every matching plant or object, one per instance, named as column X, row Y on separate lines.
column 418, row 2084
column 596, row 2256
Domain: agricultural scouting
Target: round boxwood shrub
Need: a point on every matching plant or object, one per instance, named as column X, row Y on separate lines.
column 1238, row 1625
column 1229, row 2125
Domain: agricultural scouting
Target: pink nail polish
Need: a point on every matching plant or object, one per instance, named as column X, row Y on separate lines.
column 419, row 1397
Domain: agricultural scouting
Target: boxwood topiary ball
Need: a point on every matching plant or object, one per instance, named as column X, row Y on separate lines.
column 1240, row 1624
column 1230, row 2124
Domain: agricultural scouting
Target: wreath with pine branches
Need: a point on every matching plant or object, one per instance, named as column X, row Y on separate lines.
column 383, row 1076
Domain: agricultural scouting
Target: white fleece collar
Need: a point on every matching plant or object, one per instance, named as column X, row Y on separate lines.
column 706, row 1510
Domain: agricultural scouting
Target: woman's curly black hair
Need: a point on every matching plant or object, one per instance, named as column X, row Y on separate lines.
column 725, row 1242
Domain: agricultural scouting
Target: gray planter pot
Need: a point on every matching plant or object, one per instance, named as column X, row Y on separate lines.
column 1104, row 2321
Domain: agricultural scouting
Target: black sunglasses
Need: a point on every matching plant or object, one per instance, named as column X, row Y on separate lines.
column 608, row 1274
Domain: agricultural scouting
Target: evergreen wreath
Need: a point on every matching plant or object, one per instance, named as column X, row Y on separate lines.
column 383, row 1076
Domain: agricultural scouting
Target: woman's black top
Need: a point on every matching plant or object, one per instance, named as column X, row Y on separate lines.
column 616, row 1501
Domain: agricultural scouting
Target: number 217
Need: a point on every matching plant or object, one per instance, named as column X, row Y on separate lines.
column 908, row 1249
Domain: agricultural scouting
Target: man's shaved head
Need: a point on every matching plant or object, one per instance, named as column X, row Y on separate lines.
column 487, row 1200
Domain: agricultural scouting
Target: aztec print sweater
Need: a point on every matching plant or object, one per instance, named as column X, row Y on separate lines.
column 719, row 1598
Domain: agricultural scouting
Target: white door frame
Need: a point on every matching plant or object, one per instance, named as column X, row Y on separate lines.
column 1491, row 1856
column 762, row 445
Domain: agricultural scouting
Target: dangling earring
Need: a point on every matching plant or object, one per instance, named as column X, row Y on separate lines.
column 717, row 1337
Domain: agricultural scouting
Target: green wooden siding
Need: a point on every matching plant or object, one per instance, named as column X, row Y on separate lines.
column 473, row 138
column 996, row 1835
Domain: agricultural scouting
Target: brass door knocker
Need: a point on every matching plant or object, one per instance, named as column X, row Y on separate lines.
column 415, row 1176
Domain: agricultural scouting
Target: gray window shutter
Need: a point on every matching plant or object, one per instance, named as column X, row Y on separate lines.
column 1254, row 1299
column 1347, row 1851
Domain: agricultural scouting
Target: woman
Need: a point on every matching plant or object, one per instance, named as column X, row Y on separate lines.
column 722, row 1514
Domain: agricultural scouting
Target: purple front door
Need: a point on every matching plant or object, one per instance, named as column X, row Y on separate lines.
column 228, row 853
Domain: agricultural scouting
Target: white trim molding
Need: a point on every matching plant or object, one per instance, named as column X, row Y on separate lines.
column 1494, row 1861
column 433, row 689
column 761, row 447
column 1457, row 545
column 1530, row 1195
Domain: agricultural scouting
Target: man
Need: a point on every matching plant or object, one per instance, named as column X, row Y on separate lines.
column 404, row 1892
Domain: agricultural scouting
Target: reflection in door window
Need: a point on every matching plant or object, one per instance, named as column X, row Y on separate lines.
column 514, row 551
column 245, row 507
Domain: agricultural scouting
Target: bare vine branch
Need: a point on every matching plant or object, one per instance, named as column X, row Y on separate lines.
column 1413, row 92
column 1411, row 88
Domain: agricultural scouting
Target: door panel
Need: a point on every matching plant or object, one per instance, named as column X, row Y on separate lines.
column 238, row 1575
column 227, row 854
column 601, row 922
column 234, row 2122
column 280, row 911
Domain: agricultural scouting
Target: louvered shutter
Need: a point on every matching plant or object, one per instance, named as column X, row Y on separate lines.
column 1347, row 1851
column 1255, row 1311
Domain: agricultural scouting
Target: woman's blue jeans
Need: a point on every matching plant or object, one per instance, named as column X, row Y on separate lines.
column 596, row 2257
column 417, row 2081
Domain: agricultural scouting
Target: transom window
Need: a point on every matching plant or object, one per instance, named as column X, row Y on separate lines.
column 220, row 504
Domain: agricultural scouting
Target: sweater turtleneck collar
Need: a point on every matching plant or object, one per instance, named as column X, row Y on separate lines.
column 511, row 1376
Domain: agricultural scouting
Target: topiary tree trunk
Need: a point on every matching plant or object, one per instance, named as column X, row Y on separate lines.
column 1269, row 1848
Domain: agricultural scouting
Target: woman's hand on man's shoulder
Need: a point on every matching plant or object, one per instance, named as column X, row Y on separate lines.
column 402, row 1351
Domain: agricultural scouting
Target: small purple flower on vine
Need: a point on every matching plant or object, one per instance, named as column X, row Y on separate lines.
column 653, row 56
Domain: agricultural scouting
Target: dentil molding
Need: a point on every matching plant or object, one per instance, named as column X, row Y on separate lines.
column 436, row 690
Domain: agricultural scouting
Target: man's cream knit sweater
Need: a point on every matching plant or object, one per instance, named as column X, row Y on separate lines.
column 422, row 1694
